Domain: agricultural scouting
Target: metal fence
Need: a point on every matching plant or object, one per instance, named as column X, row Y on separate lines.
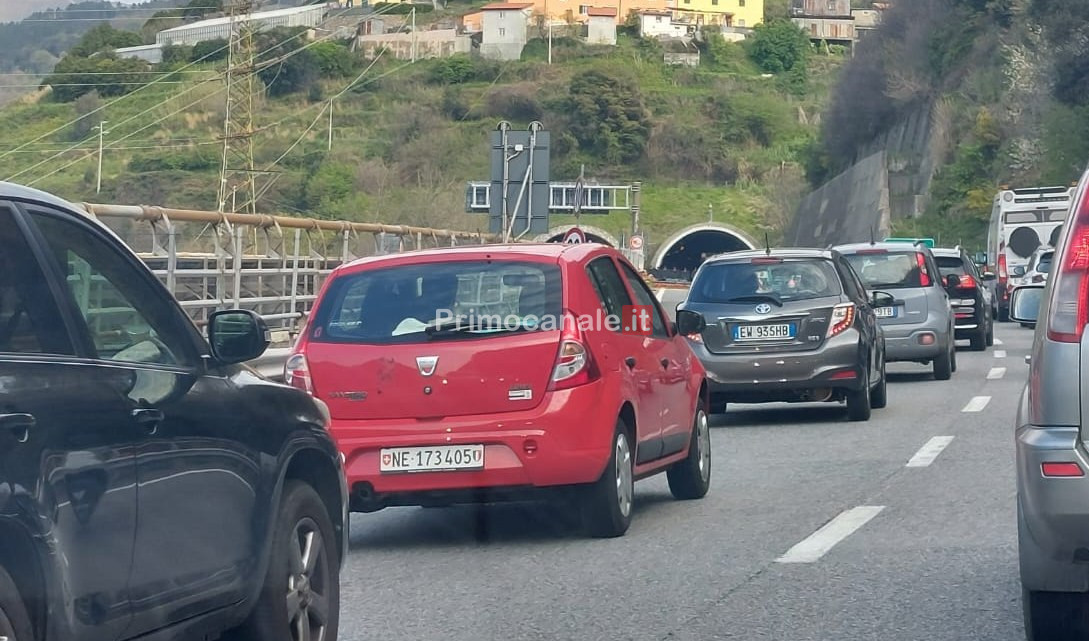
column 273, row 265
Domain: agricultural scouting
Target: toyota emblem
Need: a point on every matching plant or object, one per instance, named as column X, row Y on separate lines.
column 763, row 308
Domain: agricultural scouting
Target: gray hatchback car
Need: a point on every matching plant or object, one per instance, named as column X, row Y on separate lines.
column 1051, row 432
column 919, row 325
column 790, row 325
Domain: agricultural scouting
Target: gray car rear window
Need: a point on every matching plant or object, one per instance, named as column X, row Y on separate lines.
column 785, row 279
column 891, row 270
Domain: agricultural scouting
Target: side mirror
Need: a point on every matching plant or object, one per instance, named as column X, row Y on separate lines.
column 1018, row 271
column 981, row 258
column 689, row 323
column 237, row 336
column 952, row 280
column 1025, row 304
column 988, row 276
column 883, row 299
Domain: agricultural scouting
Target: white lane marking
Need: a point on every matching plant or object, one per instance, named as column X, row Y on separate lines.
column 996, row 373
column 660, row 294
column 977, row 404
column 927, row 453
column 998, row 341
column 820, row 542
column 1000, row 353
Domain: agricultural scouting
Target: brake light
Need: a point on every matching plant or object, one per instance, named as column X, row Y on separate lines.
column 297, row 373
column 574, row 363
column 1069, row 305
column 1003, row 273
column 924, row 277
column 967, row 282
column 843, row 316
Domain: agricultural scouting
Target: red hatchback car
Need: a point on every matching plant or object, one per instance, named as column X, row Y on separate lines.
column 496, row 373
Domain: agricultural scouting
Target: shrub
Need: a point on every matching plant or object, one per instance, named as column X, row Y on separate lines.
column 608, row 116
column 778, row 46
column 516, row 103
column 209, row 50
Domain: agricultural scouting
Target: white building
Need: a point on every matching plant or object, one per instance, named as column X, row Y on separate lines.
column 601, row 25
column 220, row 28
column 660, row 24
column 150, row 53
column 505, row 30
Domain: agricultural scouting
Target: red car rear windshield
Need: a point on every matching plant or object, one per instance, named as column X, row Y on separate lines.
column 430, row 301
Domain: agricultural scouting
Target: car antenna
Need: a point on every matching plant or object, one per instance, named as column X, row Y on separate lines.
column 767, row 244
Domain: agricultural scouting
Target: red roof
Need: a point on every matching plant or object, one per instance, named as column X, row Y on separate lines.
column 508, row 6
column 601, row 12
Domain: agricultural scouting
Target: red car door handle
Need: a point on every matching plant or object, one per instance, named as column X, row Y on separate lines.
column 630, row 361
column 19, row 425
column 665, row 363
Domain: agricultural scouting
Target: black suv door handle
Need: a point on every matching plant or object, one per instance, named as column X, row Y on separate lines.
column 19, row 425
column 630, row 361
column 148, row 418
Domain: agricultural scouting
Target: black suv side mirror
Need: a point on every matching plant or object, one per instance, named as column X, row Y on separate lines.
column 237, row 335
column 883, row 299
column 689, row 323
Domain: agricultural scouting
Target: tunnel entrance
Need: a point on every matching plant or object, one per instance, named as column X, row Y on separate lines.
column 590, row 238
column 685, row 251
column 593, row 235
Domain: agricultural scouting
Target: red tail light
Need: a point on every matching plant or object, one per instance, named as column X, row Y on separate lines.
column 924, row 277
column 843, row 316
column 1069, row 304
column 1065, row 470
column 1003, row 273
column 967, row 282
column 574, row 364
column 297, row 373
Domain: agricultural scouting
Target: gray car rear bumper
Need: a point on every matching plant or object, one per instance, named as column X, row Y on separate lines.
column 904, row 342
column 1053, row 513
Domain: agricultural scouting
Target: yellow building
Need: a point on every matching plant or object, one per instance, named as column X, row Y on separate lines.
column 729, row 13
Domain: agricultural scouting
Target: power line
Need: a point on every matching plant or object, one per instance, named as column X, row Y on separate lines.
column 24, row 74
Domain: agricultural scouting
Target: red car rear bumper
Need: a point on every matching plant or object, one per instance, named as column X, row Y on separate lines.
column 565, row 440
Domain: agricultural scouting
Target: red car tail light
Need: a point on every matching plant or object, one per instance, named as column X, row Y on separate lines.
column 574, row 363
column 843, row 316
column 297, row 373
column 1069, row 304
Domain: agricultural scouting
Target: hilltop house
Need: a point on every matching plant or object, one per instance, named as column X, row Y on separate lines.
column 827, row 20
column 601, row 26
column 725, row 13
column 505, row 30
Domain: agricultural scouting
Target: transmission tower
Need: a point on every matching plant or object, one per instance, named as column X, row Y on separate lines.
column 237, row 188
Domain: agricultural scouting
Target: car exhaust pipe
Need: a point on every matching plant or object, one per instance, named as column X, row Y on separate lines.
column 816, row 396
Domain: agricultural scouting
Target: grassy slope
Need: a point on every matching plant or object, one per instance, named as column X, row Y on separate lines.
column 400, row 157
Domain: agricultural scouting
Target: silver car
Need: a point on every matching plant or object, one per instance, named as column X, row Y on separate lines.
column 919, row 325
column 787, row 325
column 1052, row 458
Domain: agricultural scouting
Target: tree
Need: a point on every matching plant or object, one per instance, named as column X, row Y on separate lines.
column 778, row 46
column 87, row 109
column 334, row 59
column 289, row 69
column 608, row 116
column 209, row 50
column 103, row 38
column 74, row 76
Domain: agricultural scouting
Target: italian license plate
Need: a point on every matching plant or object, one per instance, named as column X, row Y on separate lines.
column 885, row 312
column 763, row 332
column 437, row 458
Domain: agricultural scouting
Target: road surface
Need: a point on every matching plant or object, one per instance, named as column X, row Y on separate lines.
column 815, row 529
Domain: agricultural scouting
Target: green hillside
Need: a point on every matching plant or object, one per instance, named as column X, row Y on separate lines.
column 407, row 136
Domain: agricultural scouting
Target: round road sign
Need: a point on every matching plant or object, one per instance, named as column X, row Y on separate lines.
column 635, row 242
column 574, row 236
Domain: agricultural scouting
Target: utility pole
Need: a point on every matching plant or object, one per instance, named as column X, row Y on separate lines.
column 549, row 40
column 330, row 125
column 710, row 213
column 101, row 136
column 236, row 175
column 413, row 34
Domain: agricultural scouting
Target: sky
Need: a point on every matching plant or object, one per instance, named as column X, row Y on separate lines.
column 18, row 9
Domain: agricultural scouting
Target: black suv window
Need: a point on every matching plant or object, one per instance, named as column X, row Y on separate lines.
column 29, row 320
column 128, row 319
column 952, row 265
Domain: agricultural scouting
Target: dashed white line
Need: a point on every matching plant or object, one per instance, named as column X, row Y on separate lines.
column 660, row 294
column 820, row 542
column 996, row 373
column 1000, row 353
column 927, row 453
column 977, row 404
column 998, row 341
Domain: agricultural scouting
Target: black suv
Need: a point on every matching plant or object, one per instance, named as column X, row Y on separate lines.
column 150, row 485
column 970, row 294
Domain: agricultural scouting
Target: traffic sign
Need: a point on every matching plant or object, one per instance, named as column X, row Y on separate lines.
column 580, row 190
column 635, row 243
column 574, row 236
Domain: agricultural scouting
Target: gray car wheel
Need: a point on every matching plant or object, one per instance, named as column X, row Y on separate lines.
column 943, row 365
